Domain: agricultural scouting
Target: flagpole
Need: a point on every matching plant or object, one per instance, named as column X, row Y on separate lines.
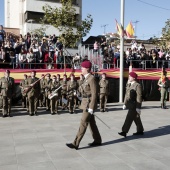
column 121, row 52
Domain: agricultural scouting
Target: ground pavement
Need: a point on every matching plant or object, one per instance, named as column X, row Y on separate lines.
column 38, row 142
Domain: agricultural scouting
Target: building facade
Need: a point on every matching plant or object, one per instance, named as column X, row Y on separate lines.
column 26, row 14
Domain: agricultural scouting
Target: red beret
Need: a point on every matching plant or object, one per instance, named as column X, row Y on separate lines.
column 133, row 74
column 58, row 75
column 7, row 71
column 54, row 76
column 64, row 75
column 42, row 75
column 33, row 71
column 104, row 74
column 72, row 75
column 86, row 64
column 81, row 75
column 25, row 75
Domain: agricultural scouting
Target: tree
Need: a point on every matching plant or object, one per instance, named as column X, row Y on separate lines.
column 64, row 19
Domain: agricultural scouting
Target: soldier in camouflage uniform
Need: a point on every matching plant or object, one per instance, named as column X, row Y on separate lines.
column 7, row 88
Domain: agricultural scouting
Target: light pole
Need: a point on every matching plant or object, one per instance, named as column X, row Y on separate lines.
column 104, row 26
column 135, row 22
column 121, row 51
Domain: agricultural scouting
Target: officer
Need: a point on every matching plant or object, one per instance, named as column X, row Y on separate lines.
column 23, row 85
column 104, row 92
column 89, row 104
column 33, row 93
column 47, row 91
column 42, row 93
column 54, row 101
column 71, row 93
column 64, row 91
column 164, row 84
column 7, row 88
column 133, row 102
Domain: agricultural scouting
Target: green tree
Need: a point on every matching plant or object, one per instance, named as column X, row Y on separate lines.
column 64, row 19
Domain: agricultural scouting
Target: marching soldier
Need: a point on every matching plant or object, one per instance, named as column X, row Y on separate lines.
column 89, row 104
column 104, row 92
column 64, row 91
column 59, row 97
column 163, row 83
column 54, row 100
column 47, row 91
column 7, row 87
column 71, row 94
column 33, row 93
column 42, row 93
column 133, row 102
column 23, row 85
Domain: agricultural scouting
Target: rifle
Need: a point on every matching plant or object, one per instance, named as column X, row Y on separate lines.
column 26, row 90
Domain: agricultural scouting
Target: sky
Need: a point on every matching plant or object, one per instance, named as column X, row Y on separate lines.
column 150, row 15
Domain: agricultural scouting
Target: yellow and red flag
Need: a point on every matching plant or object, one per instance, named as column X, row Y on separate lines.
column 130, row 30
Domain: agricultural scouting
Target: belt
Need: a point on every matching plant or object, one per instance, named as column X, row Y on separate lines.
column 86, row 96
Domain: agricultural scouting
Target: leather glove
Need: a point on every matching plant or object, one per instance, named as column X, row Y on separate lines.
column 124, row 107
column 160, row 85
column 90, row 111
column 138, row 111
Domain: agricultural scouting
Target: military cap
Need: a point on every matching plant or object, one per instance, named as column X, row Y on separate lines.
column 7, row 71
column 25, row 75
column 133, row 74
column 42, row 75
column 86, row 64
column 65, row 75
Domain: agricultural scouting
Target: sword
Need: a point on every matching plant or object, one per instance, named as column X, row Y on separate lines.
column 101, row 120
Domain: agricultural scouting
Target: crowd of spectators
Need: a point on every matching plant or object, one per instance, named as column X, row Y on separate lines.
column 30, row 51
column 136, row 55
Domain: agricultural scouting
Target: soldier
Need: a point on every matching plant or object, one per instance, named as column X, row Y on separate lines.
column 33, row 93
column 7, row 87
column 47, row 91
column 104, row 92
column 42, row 93
column 133, row 102
column 71, row 94
column 59, row 97
column 64, row 91
column 163, row 83
column 89, row 104
column 80, row 82
column 54, row 100
column 23, row 85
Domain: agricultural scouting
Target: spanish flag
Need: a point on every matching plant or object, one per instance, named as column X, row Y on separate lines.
column 120, row 29
column 130, row 30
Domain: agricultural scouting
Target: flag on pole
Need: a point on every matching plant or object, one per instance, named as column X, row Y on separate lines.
column 130, row 30
column 120, row 29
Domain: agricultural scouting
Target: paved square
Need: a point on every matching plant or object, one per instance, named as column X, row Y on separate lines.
column 38, row 142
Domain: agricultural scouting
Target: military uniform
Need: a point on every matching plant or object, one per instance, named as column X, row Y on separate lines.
column 72, row 98
column 104, row 92
column 47, row 92
column 23, row 85
column 132, row 101
column 54, row 101
column 89, row 100
column 7, row 87
column 164, row 85
column 33, row 95
column 42, row 92
column 64, row 93
column 80, row 82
